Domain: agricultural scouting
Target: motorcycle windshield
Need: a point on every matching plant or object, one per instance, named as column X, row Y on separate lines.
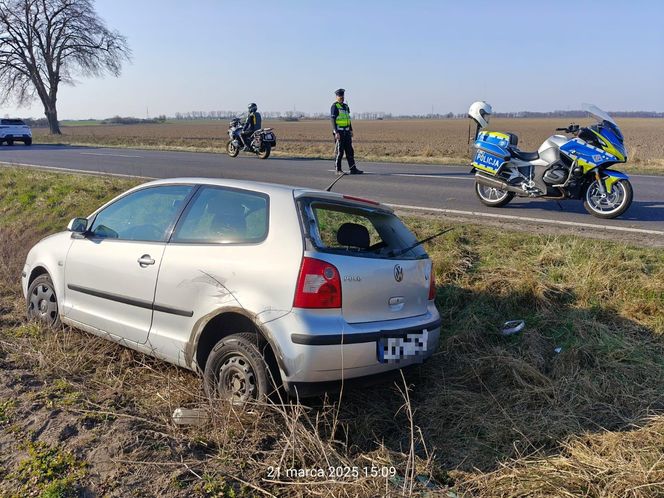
column 608, row 128
column 598, row 114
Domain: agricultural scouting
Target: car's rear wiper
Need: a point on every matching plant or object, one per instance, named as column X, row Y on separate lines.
column 392, row 254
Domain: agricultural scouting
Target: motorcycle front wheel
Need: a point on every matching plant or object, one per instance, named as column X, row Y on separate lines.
column 264, row 153
column 232, row 150
column 610, row 205
column 492, row 196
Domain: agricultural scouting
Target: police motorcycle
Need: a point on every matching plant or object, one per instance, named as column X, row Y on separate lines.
column 261, row 141
column 571, row 166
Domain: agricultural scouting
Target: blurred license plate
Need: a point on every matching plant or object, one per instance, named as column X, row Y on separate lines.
column 269, row 136
column 393, row 349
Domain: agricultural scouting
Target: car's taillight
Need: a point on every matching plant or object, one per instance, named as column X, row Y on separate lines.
column 432, row 285
column 318, row 286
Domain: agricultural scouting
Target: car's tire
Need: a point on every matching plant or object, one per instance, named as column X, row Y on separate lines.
column 232, row 150
column 265, row 153
column 492, row 197
column 27, row 142
column 10, row 142
column 237, row 369
column 42, row 301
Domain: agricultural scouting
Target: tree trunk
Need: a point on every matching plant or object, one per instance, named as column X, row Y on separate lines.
column 52, row 116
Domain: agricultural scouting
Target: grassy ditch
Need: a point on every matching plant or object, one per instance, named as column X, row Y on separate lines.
column 574, row 405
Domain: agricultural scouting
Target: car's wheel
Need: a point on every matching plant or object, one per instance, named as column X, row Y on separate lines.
column 611, row 205
column 492, row 196
column 265, row 152
column 28, row 142
column 10, row 142
column 42, row 301
column 232, row 150
column 237, row 369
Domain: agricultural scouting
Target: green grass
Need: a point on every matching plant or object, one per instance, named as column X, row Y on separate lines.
column 6, row 411
column 48, row 472
column 80, row 122
column 32, row 194
column 572, row 405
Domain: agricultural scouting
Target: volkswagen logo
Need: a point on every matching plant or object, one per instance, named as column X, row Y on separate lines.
column 398, row 273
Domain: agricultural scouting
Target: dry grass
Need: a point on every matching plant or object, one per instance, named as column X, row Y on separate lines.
column 439, row 141
column 486, row 416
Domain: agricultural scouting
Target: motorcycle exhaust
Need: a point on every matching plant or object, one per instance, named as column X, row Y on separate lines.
column 496, row 183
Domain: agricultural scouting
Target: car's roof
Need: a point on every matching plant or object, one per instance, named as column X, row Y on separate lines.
column 226, row 182
column 271, row 189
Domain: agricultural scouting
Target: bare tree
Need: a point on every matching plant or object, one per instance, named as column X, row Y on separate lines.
column 46, row 42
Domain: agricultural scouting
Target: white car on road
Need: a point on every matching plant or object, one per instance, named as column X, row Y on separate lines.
column 253, row 285
column 15, row 130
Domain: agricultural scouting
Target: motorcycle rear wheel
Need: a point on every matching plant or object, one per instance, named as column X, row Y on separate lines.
column 613, row 204
column 264, row 153
column 491, row 196
column 232, row 150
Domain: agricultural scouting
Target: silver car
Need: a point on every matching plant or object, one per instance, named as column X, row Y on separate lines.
column 255, row 286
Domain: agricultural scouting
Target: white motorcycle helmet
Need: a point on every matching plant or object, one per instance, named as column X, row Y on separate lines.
column 480, row 111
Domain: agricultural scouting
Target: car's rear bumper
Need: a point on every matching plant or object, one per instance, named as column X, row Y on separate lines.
column 320, row 346
column 309, row 389
column 18, row 138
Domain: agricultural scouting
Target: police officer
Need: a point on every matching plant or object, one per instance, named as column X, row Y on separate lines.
column 343, row 134
column 253, row 123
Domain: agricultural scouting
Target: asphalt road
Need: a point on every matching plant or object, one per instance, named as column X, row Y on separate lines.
column 443, row 189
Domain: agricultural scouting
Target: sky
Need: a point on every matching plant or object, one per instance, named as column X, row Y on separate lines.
column 403, row 57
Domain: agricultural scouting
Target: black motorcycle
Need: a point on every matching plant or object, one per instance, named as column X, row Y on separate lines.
column 261, row 141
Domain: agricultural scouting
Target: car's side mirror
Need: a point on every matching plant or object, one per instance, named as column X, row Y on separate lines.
column 78, row 225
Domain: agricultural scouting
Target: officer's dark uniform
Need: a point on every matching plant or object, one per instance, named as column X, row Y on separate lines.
column 253, row 123
column 340, row 116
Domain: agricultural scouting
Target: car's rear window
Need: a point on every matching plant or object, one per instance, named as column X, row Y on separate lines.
column 343, row 228
column 223, row 215
column 14, row 122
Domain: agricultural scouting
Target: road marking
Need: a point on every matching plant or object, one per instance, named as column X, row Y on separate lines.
column 440, row 177
column 526, row 218
column 415, row 175
column 107, row 155
column 396, row 206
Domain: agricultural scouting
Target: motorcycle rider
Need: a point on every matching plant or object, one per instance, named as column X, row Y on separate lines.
column 254, row 122
column 343, row 133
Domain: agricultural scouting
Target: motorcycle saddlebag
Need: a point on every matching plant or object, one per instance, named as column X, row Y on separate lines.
column 491, row 151
column 270, row 138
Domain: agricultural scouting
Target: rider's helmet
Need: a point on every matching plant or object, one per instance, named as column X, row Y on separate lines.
column 480, row 111
column 252, row 107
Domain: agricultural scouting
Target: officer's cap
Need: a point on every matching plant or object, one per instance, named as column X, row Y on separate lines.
column 340, row 92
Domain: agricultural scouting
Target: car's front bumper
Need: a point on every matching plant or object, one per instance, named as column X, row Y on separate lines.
column 319, row 346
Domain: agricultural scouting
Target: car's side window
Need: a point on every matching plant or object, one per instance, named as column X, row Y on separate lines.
column 144, row 215
column 222, row 215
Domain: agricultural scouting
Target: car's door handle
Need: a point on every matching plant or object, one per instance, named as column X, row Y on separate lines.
column 145, row 260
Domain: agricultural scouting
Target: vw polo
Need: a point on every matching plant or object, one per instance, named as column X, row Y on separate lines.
column 252, row 285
